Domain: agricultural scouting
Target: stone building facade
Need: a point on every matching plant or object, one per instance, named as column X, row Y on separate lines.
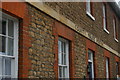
column 42, row 25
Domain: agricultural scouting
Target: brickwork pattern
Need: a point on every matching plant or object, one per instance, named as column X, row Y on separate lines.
column 76, row 12
column 41, row 52
column 112, row 66
column 80, row 56
column 37, row 51
column 100, row 62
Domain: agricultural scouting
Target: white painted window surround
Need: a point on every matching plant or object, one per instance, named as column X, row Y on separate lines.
column 63, row 58
column 104, row 19
column 8, row 46
column 88, row 10
column 114, row 28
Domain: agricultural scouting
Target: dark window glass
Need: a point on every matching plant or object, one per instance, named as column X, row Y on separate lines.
column 3, row 27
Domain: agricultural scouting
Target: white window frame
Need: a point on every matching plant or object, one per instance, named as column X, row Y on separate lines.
column 60, row 40
column 117, row 69
column 88, row 9
column 114, row 28
column 14, row 61
column 92, row 61
column 107, row 68
column 104, row 19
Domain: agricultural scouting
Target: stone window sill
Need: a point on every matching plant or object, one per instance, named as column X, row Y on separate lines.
column 116, row 40
column 106, row 31
column 89, row 14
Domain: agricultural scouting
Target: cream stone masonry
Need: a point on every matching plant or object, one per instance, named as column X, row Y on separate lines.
column 41, row 6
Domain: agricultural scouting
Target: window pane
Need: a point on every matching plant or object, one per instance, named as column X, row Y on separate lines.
column 10, row 28
column 60, row 60
column 59, row 46
column 10, row 47
column 7, row 66
column 0, row 25
column 90, row 69
column 64, row 72
column 64, row 59
column 3, row 27
column 1, row 65
column 89, row 56
column 2, row 44
column 60, row 71
column 64, row 47
column 59, row 52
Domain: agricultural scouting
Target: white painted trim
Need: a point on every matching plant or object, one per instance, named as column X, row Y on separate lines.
column 6, row 36
column 7, row 56
column 106, row 30
column 104, row 19
column 116, row 40
column 90, row 15
column 114, row 28
column 16, row 33
column 67, row 49
column 89, row 60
